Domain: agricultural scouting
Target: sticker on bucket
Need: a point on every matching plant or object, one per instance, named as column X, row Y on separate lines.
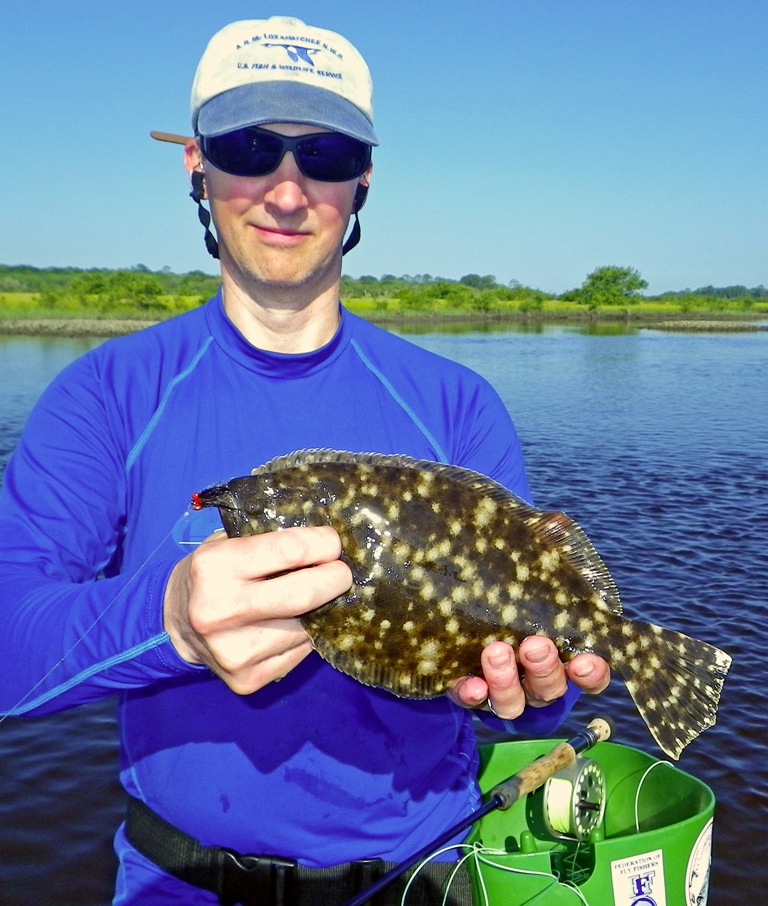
column 639, row 880
column 697, row 875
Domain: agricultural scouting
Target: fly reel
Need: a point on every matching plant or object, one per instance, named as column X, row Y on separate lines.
column 574, row 800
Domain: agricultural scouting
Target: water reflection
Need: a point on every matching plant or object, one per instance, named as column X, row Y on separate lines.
column 487, row 326
column 595, row 328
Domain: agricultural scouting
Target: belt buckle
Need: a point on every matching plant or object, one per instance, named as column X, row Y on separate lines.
column 255, row 880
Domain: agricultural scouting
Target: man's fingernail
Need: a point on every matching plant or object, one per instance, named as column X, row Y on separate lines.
column 538, row 654
column 583, row 669
column 500, row 659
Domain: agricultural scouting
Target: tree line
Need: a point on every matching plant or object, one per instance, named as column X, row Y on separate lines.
column 164, row 290
column 102, row 289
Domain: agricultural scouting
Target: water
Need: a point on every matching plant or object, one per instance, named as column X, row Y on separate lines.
column 655, row 442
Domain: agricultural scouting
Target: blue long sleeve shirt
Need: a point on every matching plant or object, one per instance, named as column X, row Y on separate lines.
column 94, row 515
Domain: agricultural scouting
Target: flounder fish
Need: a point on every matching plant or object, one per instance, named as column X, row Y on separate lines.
column 445, row 561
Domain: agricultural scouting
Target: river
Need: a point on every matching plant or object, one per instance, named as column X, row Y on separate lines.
column 654, row 441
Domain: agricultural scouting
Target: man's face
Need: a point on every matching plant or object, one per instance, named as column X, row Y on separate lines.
column 282, row 230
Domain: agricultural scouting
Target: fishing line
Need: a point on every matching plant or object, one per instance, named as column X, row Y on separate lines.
column 177, row 534
column 452, row 876
column 482, row 853
column 479, row 874
column 557, row 807
column 576, row 874
column 639, row 787
column 479, row 853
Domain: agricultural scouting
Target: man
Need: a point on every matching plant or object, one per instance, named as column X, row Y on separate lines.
column 236, row 739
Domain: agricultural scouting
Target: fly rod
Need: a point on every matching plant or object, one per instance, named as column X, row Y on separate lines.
column 502, row 797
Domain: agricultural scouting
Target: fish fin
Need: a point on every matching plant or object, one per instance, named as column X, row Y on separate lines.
column 473, row 479
column 561, row 531
column 675, row 682
column 468, row 477
column 322, row 455
column 554, row 529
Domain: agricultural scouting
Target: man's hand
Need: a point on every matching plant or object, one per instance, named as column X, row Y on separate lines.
column 232, row 604
column 503, row 690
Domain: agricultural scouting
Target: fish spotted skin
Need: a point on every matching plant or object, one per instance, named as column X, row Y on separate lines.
column 445, row 561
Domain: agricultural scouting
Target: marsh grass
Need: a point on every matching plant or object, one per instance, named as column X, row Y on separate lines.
column 487, row 305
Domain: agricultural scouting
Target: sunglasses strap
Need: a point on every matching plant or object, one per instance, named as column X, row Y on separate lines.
column 354, row 236
column 197, row 195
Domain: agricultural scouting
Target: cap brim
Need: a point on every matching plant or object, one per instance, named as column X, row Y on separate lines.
column 171, row 137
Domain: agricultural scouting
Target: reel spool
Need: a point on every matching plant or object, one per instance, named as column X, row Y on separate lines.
column 574, row 800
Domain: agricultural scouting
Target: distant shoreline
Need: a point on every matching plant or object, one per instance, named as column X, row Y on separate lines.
column 114, row 327
column 70, row 327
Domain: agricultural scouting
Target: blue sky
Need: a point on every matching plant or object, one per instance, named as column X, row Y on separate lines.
column 534, row 140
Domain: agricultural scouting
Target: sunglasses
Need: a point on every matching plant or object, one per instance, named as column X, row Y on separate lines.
column 326, row 156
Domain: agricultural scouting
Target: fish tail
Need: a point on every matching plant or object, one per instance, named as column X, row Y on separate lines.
column 675, row 681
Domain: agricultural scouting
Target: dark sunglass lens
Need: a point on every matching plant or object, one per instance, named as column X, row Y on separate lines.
column 332, row 157
column 326, row 156
column 244, row 152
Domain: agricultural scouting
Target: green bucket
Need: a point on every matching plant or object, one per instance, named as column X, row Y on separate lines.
column 651, row 847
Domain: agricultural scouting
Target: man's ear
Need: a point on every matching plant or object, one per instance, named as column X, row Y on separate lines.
column 193, row 162
column 193, row 159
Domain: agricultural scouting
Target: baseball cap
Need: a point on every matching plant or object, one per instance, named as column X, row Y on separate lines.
column 280, row 70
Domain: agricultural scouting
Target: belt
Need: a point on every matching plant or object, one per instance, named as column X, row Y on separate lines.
column 262, row 880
